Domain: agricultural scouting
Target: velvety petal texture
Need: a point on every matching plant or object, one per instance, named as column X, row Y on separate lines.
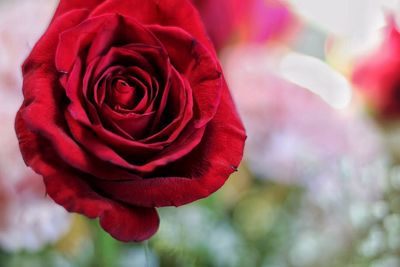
column 125, row 110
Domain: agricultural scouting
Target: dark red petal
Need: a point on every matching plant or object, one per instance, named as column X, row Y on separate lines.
column 134, row 124
column 179, row 13
column 101, row 145
column 45, row 49
column 69, row 5
column 154, row 60
column 123, row 222
column 118, row 142
column 73, row 91
column 199, row 66
column 93, row 145
column 125, row 94
column 95, row 36
column 43, row 106
column 84, row 111
column 77, row 105
column 125, row 146
column 137, row 99
column 44, row 116
column 98, row 149
column 184, row 101
column 207, row 167
column 139, row 61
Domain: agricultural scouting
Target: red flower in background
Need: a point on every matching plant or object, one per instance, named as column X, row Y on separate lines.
column 126, row 109
column 378, row 75
column 220, row 18
column 250, row 21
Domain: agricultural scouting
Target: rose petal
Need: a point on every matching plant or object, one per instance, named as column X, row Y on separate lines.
column 98, row 34
column 76, row 109
column 198, row 65
column 43, row 116
column 152, row 59
column 179, row 13
column 68, row 5
column 44, row 50
column 136, row 125
column 98, row 148
column 128, row 94
column 208, row 166
column 42, row 106
column 125, row 223
column 183, row 116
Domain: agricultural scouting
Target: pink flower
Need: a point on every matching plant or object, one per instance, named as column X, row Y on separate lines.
column 251, row 21
column 219, row 19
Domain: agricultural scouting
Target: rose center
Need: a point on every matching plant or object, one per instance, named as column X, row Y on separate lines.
column 125, row 95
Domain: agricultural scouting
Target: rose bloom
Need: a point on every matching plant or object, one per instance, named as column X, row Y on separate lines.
column 126, row 109
column 246, row 21
column 28, row 219
column 377, row 75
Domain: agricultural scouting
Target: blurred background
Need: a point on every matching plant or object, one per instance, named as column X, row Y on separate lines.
column 317, row 84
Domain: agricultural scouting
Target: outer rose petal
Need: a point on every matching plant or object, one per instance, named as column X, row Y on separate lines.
column 125, row 223
column 68, row 5
column 98, row 35
column 45, row 49
column 179, row 13
column 221, row 151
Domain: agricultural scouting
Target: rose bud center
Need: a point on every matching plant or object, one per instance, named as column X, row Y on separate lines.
column 125, row 95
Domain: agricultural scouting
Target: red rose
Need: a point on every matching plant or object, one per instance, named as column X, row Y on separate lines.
column 125, row 110
column 378, row 75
